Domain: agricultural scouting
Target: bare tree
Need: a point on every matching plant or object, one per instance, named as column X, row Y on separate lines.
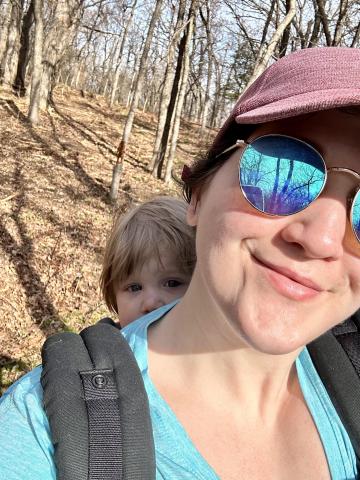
column 63, row 26
column 33, row 113
column 324, row 21
column 135, row 100
column 4, row 31
column 286, row 35
column 343, row 7
column 113, row 48
column 9, row 59
column 356, row 36
column 160, row 159
column 316, row 27
column 19, row 82
column 265, row 54
column 180, row 99
column 210, row 58
column 267, row 23
column 119, row 54
column 167, row 85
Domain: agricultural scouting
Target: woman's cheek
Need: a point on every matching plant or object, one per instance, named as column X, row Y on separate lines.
column 353, row 268
column 220, row 257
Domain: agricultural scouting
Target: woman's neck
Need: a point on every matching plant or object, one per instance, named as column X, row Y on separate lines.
column 196, row 345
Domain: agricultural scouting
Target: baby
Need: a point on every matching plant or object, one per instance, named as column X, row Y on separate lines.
column 149, row 258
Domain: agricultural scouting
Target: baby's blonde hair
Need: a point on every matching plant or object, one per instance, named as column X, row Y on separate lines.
column 146, row 232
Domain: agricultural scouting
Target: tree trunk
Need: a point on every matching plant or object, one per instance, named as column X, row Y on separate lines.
column 267, row 23
column 324, row 21
column 65, row 21
column 166, row 90
column 205, row 111
column 264, row 55
column 180, row 99
column 118, row 56
column 356, row 36
column 19, row 82
column 132, row 85
column 121, row 93
column 157, row 168
column 4, row 31
column 219, row 94
column 33, row 113
column 305, row 39
column 316, row 27
column 340, row 22
column 286, row 35
column 198, row 83
column 136, row 96
column 9, row 60
column 81, row 61
column 106, row 70
column 75, row 81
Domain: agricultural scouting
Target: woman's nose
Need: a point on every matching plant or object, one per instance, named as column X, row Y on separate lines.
column 151, row 301
column 319, row 229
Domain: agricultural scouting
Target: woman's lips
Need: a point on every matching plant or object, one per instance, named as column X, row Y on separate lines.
column 289, row 283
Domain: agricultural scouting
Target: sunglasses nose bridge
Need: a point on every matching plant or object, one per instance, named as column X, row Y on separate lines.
column 353, row 190
column 352, row 228
column 350, row 171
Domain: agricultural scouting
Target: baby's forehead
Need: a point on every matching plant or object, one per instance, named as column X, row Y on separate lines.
column 155, row 258
column 164, row 261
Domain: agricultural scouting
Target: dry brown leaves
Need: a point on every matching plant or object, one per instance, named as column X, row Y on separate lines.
column 55, row 214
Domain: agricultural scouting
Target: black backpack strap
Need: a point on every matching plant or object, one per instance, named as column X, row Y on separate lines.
column 336, row 356
column 97, row 407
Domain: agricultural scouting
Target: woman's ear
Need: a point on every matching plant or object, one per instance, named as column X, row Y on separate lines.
column 193, row 208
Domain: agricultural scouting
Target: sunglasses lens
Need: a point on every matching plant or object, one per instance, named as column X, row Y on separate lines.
column 355, row 215
column 281, row 175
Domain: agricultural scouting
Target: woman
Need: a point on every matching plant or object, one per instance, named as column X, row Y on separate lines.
column 232, row 389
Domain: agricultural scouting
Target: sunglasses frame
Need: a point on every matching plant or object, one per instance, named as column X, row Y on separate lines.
column 351, row 198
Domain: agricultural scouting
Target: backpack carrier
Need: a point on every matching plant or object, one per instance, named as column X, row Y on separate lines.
column 98, row 409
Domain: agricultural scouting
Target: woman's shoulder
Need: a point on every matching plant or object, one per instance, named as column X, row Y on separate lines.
column 23, row 422
column 27, row 388
column 23, row 401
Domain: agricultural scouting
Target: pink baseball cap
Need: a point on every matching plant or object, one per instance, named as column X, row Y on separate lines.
column 305, row 81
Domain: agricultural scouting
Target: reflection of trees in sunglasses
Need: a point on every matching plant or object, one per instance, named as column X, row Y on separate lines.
column 287, row 185
column 355, row 217
column 280, row 175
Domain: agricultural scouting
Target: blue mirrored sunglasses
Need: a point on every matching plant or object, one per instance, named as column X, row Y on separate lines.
column 281, row 175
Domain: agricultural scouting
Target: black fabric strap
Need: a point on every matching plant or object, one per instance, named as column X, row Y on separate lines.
column 341, row 380
column 348, row 335
column 105, row 436
column 97, row 407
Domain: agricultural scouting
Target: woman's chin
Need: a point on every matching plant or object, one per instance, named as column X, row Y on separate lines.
column 271, row 343
column 272, row 334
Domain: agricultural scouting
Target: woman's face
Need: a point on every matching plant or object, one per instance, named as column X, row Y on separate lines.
column 282, row 281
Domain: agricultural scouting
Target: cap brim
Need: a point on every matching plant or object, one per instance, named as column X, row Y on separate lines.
column 300, row 105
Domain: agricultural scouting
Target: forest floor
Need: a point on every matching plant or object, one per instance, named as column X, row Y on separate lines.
column 55, row 213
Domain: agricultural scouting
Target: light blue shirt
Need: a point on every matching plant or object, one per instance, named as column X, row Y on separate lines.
column 26, row 451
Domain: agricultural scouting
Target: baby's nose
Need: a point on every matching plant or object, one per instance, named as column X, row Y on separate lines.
column 151, row 301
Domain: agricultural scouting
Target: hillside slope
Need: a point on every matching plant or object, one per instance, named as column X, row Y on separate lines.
column 55, row 214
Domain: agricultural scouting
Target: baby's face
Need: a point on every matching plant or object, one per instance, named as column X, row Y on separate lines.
column 149, row 288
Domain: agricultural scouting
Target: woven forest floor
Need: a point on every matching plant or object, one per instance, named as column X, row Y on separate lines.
column 55, row 213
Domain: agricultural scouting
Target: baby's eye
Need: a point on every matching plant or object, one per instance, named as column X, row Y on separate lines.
column 135, row 287
column 172, row 283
